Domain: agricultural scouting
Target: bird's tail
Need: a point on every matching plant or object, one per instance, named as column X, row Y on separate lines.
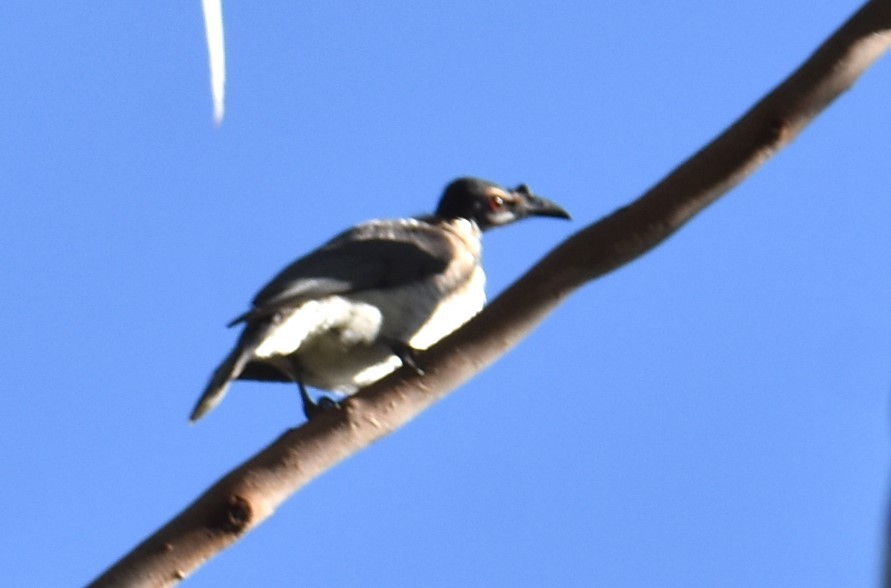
column 229, row 370
column 216, row 389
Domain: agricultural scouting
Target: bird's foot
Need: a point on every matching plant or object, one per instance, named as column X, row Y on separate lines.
column 313, row 408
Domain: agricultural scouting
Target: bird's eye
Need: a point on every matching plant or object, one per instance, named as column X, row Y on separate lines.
column 496, row 202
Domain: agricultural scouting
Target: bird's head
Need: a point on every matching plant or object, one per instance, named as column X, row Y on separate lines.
column 491, row 205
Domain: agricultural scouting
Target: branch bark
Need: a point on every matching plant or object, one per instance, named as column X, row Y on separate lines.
column 250, row 493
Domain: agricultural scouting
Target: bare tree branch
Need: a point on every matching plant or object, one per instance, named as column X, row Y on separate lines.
column 252, row 492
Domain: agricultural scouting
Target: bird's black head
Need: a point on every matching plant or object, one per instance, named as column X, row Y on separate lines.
column 490, row 205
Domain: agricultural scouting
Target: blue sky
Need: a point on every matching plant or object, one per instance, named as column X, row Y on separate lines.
column 714, row 414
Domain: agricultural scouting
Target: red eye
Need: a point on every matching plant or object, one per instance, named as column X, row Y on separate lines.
column 496, row 202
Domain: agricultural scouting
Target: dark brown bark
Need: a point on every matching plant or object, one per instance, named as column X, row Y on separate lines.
column 251, row 492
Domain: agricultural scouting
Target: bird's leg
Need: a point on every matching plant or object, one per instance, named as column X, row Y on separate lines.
column 311, row 408
column 408, row 355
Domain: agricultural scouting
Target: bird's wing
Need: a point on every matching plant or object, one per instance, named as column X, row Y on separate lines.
column 370, row 256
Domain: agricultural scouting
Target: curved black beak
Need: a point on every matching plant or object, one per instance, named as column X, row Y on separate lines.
column 533, row 205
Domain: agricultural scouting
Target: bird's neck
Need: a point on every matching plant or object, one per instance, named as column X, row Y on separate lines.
column 467, row 230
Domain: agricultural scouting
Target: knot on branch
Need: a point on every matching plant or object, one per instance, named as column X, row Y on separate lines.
column 232, row 518
column 776, row 132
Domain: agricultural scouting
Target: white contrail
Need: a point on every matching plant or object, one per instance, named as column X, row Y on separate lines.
column 213, row 25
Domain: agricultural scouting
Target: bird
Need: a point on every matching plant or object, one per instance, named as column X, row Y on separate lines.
column 357, row 308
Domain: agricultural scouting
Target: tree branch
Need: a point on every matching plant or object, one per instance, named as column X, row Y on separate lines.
column 252, row 492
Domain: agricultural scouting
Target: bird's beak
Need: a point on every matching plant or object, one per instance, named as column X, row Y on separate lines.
column 533, row 205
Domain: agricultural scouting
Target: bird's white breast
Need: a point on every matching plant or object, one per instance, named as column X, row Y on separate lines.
column 453, row 311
